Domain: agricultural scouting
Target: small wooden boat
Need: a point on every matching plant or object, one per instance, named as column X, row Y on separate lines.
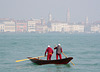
column 59, row 61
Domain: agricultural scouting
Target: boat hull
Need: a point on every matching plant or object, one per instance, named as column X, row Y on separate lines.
column 42, row 62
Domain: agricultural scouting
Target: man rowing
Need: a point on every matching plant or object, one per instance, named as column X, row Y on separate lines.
column 50, row 52
column 58, row 51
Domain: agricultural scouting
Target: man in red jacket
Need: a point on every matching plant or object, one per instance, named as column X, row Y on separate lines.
column 50, row 52
column 58, row 51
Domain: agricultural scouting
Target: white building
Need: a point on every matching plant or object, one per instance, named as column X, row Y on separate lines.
column 64, row 27
column 9, row 26
column 58, row 26
column 2, row 27
column 95, row 28
column 77, row 28
column 32, row 25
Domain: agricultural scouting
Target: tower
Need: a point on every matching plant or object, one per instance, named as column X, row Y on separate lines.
column 87, row 27
column 86, row 20
column 68, row 16
column 50, row 17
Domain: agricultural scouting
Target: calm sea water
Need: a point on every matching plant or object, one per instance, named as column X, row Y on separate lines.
column 84, row 48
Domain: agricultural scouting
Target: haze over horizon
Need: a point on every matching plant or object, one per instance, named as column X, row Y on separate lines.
column 26, row 9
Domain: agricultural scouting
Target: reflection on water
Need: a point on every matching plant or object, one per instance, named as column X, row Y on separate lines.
column 60, row 68
column 65, row 65
column 45, row 68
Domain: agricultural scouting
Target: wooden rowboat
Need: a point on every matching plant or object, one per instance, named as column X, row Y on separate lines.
column 59, row 61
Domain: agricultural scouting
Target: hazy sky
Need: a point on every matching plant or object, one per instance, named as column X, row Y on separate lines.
column 26, row 9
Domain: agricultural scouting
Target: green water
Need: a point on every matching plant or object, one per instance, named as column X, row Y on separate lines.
column 84, row 48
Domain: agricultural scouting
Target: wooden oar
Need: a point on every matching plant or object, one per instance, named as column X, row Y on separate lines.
column 66, row 57
column 28, row 59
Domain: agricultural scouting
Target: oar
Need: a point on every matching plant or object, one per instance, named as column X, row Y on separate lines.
column 66, row 57
column 28, row 59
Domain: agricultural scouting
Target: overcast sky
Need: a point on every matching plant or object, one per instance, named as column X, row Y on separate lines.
column 26, row 9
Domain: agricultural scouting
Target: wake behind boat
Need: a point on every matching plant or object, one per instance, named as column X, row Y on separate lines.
column 42, row 62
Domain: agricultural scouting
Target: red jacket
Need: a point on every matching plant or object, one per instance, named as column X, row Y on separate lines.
column 49, row 50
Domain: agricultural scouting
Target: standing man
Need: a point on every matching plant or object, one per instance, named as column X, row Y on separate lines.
column 58, row 51
column 50, row 52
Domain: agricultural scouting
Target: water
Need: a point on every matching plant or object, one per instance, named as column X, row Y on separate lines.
column 84, row 48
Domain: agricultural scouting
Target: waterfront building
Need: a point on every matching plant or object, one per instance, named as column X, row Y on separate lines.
column 42, row 21
column 9, row 26
column 32, row 24
column 41, row 28
column 5, row 19
column 21, row 26
column 2, row 27
column 95, row 28
column 73, row 28
column 58, row 26
column 64, row 27
column 77, row 28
